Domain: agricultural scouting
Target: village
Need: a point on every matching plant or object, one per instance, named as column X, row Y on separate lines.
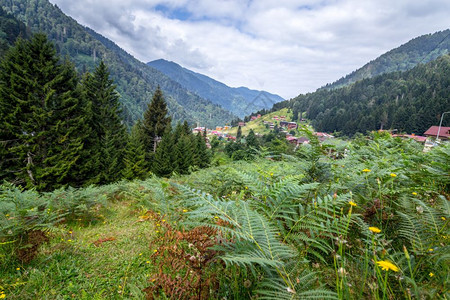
column 429, row 139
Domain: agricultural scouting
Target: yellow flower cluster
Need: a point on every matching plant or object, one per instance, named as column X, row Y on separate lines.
column 366, row 170
column 352, row 203
column 393, row 175
column 2, row 295
column 375, row 229
column 387, row 265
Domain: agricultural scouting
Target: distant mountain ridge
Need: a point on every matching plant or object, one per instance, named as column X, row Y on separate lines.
column 422, row 49
column 240, row 101
column 135, row 81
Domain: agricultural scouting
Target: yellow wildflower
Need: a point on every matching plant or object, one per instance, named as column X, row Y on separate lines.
column 375, row 229
column 352, row 203
column 163, row 220
column 2, row 296
column 185, row 210
column 70, row 232
column 271, row 174
column 443, row 218
column 17, row 269
column 155, row 250
column 393, row 175
column 387, row 265
column 246, row 187
column 366, row 170
column 430, row 250
column 140, row 254
column 69, row 240
column 414, row 193
column 147, row 262
column 216, row 217
column 431, row 274
column 7, row 215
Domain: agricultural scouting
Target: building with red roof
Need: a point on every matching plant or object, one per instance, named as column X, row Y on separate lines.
column 444, row 132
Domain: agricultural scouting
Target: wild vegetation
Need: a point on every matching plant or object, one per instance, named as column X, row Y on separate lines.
column 364, row 219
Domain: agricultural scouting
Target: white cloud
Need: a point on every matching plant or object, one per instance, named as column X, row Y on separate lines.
column 286, row 46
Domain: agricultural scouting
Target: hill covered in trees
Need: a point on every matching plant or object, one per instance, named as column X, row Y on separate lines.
column 240, row 101
column 410, row 101
column 421, row 49
column 136, row 82
column 10, row 30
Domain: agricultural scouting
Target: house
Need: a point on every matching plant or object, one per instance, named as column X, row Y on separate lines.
column 218, row 128
column 226, row 127
column 242, row 124
column 258, row 116
column 444, row 132
column 253, row 118
column 284, row 123
column 292, row 125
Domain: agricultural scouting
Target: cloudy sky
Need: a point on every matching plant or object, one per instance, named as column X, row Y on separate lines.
column 286, row 47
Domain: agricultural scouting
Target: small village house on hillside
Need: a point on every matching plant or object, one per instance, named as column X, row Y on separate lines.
column 444, row 132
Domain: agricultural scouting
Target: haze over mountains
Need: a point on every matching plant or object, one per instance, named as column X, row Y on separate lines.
column 240, row 101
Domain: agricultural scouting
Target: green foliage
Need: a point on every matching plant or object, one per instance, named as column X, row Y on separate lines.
column 136, row 81
column 43, row 125
column 411, row 101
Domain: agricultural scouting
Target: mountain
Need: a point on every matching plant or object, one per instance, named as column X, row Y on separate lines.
column 409, row 101
column 240, row 101
column 10, row 30
column 422, row 49
column 135, row 81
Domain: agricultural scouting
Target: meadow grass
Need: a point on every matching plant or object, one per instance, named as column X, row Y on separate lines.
column 104, row 259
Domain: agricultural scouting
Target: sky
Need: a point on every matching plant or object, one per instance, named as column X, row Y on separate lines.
column 287, row 47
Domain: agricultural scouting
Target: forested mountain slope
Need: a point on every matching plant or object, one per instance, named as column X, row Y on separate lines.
column 135, row 81
column 240, row 101
column 10, row 30
column 410, row 101
column 421, row 49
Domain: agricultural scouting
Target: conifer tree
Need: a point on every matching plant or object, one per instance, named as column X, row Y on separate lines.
column 202, row 158
column 183, row 159
column 42, row 126
column 156, row 120
column 252, row 140
column 135, row 164
column 108, row 135
column 163, row 163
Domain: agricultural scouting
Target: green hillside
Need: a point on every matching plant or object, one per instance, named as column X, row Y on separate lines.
column 135, row 81
column 422, row 49
column 240, row 101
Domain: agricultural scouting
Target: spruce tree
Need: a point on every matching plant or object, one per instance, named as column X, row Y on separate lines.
column 156, row 120
column 183, row 159
column 135, row 164
column 239, row 134
column 42, row 124
column 163, row 163
column 202, row 158
column 108, row 139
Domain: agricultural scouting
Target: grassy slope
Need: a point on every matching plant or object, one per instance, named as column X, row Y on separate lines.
column 71, row 266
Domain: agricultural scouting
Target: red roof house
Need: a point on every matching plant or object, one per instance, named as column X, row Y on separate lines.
column 444, row 133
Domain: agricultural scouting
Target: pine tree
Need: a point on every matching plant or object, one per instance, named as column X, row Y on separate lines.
column 202, row 158
column 163, row 163
column 135, row 164
column 252, row 140
column 183, row 159
column 108, row 139
column 42, row 124
column 156, row 120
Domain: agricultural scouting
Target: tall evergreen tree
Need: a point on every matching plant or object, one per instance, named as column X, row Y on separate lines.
column 156, row 120
column 239, row 134
column 135, row 164
column 202, row 158
column 42, row 125
column 163, row 164
column 108, row 138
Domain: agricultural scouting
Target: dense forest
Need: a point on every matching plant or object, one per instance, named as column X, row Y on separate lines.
column 58, row 130
column 422, row 49
column 136, row 82
column 411, row 102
